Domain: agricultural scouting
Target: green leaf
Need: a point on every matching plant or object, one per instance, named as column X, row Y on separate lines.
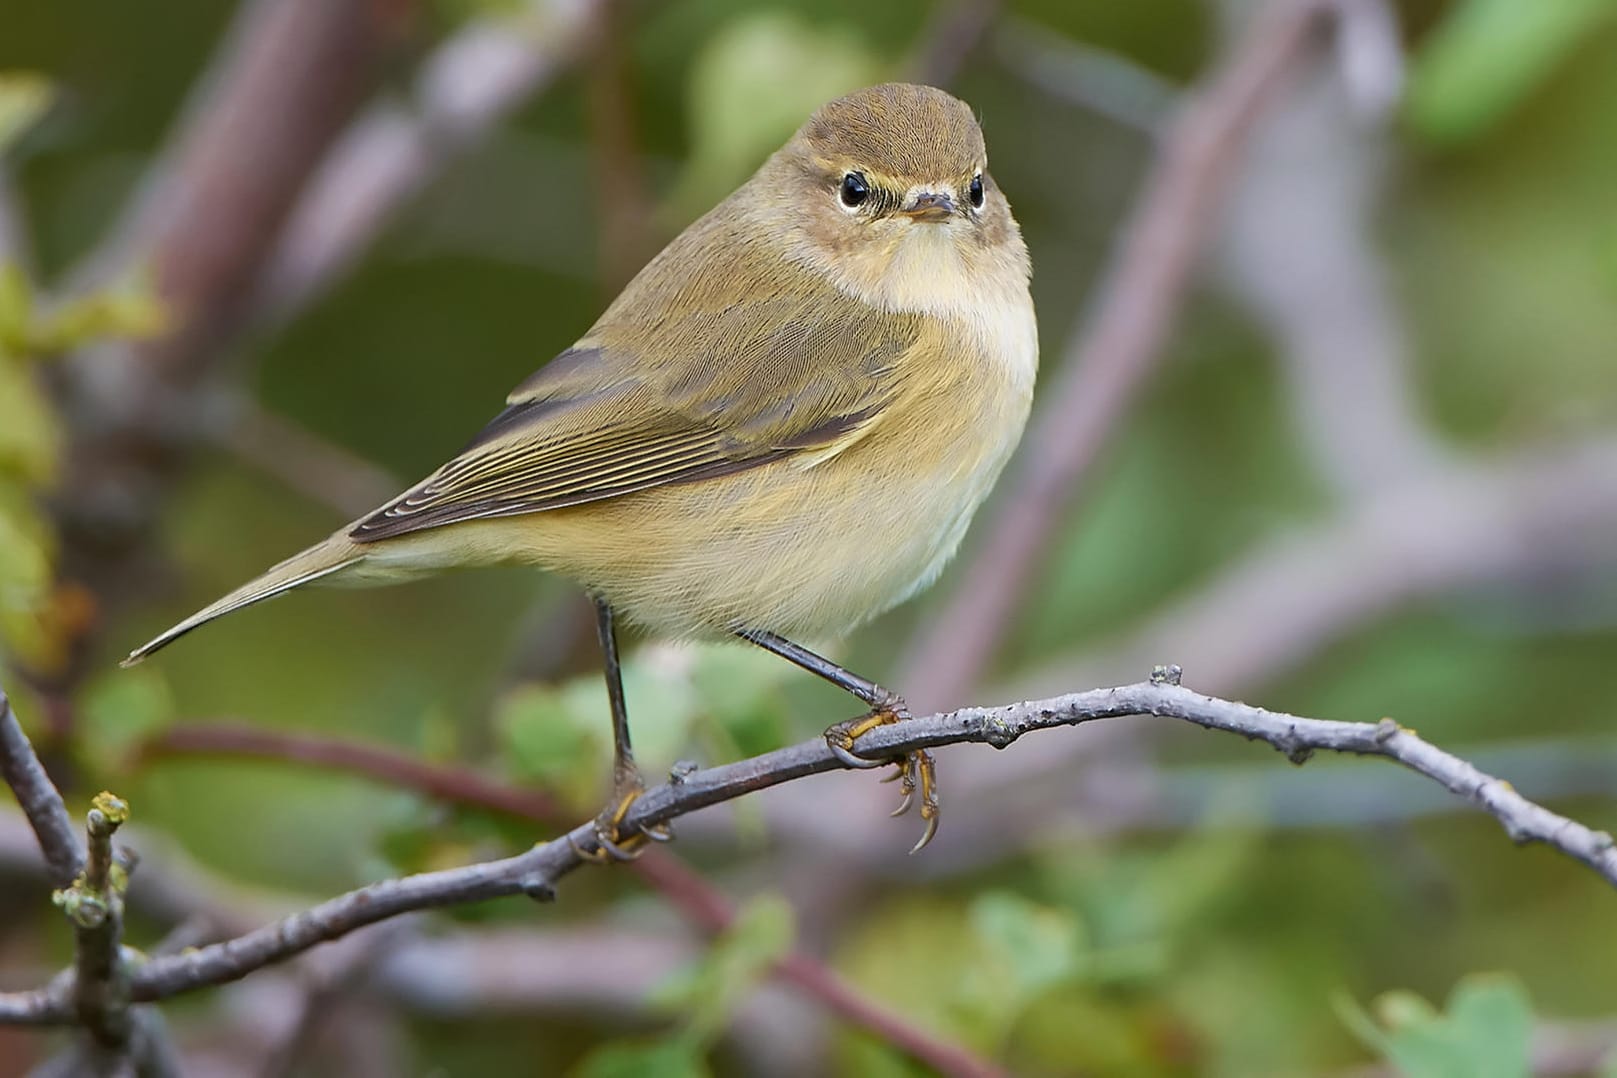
column 1040, row 945
column 24, row 97
column 25, row 571
column 761, row 934
column 16, row 309
column 675, row 1057
column 30, row 435
column 1485, row 1032
column 751, row 87
column 129, row 309
column 542, row 741
column 1494, row 1019
column 120, row 710
column 739, row 691
column 1489, row 56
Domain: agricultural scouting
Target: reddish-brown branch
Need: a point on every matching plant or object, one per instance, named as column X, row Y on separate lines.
column 444, row 782
column 702, row 904
column 1107, row 364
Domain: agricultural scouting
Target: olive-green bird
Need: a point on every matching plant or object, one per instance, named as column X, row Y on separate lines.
column 779, row 430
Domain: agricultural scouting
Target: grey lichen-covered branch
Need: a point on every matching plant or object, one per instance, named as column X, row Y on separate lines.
column 537, row 871
column 37, row 796
column 94, row 904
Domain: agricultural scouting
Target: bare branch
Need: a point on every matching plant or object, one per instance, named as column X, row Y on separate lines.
column 536, row 871
column 1537, row 511
column 699, row 901
column 1107, row 363
column 39, row 800
column 465, row 88
column 1295, row 241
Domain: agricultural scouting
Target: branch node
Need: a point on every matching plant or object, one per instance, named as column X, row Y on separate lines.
column 537, row 887
column 1167, row 674
column 682, row 770
column 998, row 732
column 1386, row 730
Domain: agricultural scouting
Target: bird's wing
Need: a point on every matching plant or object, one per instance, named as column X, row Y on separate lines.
column 731, row 383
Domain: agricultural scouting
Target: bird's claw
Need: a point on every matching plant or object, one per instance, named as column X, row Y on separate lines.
column 916, row 772
column 610, row 843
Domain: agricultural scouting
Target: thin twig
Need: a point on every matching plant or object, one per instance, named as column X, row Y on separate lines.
column 40, row 802
column 536, row 871
column 1106, row 365
column 94, row 904
column 697, row 900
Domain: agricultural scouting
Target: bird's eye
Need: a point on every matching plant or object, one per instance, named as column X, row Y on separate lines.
column 975, row 191
column 854, row 189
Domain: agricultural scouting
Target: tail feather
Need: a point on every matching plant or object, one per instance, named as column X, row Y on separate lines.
column 334, row 555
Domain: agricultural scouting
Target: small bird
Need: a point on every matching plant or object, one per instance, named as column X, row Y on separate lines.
column 780, row 429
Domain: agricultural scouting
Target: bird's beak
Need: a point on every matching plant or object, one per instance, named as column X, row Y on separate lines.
column 930, row 206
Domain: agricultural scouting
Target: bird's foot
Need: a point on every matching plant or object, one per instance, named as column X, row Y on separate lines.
column 916, row 771
column 611, row 842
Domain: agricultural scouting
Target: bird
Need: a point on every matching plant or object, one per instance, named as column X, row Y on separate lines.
column 780, row 428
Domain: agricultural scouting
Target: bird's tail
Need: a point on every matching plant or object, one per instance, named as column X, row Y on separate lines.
column 320, row 560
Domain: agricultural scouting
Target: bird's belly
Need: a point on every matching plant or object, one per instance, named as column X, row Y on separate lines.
column 808, row 553
column 803, row 547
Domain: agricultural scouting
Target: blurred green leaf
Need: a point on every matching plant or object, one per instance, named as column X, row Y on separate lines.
column 16, row 308
column 751, row 87
column 129, row 310
column 24, row 97
column 30, row 435
column 1488, row 57
column 673, row 1057
column 1024, row 949
column 1038, row 945
column 711, row 990
column 1485, row 1032
column 543, row 741
column 119, row 710
column 25, row 571
column 739, row 692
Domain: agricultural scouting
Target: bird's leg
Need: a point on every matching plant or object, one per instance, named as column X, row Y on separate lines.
column 916, row 770
column 627, row 785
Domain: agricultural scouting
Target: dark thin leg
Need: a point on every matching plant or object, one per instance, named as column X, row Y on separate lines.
column 627, row 785
column 916, row 771
column 865, row 689
column 622, row 752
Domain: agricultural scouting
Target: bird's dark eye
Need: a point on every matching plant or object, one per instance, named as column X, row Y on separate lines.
column 975, row 191
column 854, row 189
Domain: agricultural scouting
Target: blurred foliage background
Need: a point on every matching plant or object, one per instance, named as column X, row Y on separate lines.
column 1405, row 311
